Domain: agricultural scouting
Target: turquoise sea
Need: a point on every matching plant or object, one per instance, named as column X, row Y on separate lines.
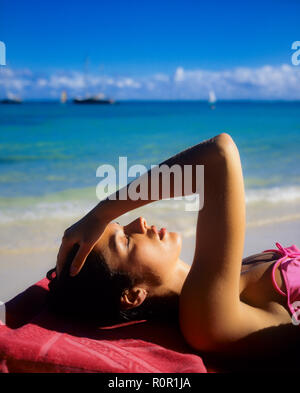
column 47, row 148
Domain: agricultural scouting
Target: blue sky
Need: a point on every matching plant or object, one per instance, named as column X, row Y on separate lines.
column 138, row 40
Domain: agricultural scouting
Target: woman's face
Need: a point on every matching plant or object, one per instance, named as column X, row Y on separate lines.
column 141, row 250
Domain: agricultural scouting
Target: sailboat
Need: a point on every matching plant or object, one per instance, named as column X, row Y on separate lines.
column 91, row 99
column 212, row 99
column 63, row 97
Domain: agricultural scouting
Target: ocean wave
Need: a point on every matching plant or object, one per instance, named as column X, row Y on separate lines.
column 273, row 195
column 41, row 211
column 272, row 220
column 70, row 204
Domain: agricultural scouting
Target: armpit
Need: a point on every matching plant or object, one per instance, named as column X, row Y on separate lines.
column 260, row 257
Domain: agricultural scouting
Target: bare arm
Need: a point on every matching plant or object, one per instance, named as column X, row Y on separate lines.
column 212, row 317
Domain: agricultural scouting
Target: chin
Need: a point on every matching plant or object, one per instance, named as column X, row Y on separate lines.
column 177, row 239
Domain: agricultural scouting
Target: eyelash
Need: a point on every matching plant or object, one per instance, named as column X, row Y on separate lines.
column 127, row 237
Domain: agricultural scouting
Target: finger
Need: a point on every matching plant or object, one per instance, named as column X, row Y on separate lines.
column 63, row 252
column 80, row 258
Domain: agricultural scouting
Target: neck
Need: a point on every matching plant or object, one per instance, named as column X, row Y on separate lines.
column 176, row 280
column 179, row 276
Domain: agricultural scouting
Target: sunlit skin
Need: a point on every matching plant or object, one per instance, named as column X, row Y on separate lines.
column 152, row 255
column 145, row 252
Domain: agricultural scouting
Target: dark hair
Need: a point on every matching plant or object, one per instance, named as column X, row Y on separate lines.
column 94, row 294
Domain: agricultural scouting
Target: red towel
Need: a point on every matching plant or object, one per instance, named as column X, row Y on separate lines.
column 35, row 340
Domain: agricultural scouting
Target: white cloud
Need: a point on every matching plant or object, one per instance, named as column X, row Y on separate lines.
column 179, row 75
column 14, row 81
column 73, row 81
column 161, row 77
column 126, row 82
column 266, row 82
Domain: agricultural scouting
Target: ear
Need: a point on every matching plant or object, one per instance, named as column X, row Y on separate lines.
column 133, row 297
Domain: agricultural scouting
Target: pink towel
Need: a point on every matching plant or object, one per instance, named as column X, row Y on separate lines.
column 35, row 340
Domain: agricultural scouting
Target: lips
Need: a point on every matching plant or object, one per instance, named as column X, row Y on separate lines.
column 161, row 233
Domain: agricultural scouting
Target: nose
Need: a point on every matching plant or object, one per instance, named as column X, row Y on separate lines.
column 137, row 226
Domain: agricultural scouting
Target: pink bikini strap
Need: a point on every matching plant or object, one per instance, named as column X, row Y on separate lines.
column 284, row 251
column 273, row 276
column 284, row 254
column 281, row 250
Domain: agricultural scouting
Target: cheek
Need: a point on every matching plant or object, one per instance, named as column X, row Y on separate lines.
column 147, row 263
column 156, row 255
column 146, row 254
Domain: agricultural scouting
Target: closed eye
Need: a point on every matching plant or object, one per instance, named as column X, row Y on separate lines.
column 128, row 239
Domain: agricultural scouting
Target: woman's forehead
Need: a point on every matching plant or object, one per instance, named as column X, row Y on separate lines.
column 106, row 245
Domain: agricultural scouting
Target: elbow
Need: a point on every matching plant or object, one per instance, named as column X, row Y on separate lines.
column 208, row 341
column 196, row 332
column 207, row 332
column 224, row 138
column 225, row 146
column 198, row 340
column 224, row 141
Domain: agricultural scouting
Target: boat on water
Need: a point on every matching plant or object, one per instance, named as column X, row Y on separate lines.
column 212, row 99
column 98, row 99
column 89, row 99
column 63, row 97
column 11, row 99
